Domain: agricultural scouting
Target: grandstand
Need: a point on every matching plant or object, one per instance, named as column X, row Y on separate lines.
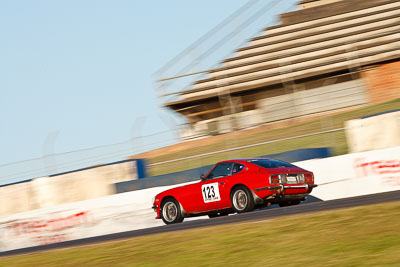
column 329, row 55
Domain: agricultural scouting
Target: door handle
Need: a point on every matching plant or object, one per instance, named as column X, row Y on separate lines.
column 222, row 183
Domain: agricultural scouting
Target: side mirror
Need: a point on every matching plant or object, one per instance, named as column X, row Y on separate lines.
column 202, row 177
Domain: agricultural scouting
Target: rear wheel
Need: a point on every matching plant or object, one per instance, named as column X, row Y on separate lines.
column 242, row 200
column 171, row 211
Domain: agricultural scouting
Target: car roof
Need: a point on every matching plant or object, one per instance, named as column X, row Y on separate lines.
column 246, row 159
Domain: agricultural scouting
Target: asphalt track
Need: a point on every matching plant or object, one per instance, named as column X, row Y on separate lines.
column 257, row 215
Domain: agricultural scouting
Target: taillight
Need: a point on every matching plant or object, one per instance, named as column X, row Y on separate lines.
column 300, row 178
column 274, row 179
column 308, row 178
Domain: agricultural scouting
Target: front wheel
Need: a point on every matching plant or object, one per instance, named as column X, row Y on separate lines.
column 242, row 200
column 171, row 211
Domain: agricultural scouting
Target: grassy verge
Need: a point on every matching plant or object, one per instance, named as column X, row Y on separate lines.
column 351, row 237
column 336, row 140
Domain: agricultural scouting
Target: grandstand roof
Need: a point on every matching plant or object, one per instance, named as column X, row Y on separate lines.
column 310, row 42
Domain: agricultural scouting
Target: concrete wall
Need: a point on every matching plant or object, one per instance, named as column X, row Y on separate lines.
column 16, row 198
column 313, row 101
column 375, row 132
column 68, row 187
column 223, row 124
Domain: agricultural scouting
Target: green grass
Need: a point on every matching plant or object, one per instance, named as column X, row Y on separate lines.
column 336, row 141
column 350, row 237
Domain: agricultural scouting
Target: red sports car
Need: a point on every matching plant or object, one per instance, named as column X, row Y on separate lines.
column 237, row 185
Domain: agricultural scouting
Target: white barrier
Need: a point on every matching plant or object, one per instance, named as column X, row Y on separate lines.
column 89, row 183
column 89, row 218
column 356, row 174
column 338, row 177
column 375, row 132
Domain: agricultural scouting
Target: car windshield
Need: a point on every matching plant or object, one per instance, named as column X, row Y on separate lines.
column 221, row 170
column 270, row 163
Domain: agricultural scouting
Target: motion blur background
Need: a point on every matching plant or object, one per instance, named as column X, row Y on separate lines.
column 294, row 80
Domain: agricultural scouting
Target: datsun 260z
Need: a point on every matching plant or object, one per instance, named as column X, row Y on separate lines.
column 236, row 186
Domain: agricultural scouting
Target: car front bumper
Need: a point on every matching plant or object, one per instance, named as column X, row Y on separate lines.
column 157, row 211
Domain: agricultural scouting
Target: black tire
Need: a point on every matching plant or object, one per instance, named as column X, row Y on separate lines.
column 242, row 199
column 289, row 203
column 170, row 211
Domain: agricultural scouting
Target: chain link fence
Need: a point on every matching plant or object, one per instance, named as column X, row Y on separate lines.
column 185, row 155
column 252, row 144
column 52, row 164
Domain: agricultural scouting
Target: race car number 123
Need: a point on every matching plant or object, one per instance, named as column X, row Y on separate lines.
column 210, row 192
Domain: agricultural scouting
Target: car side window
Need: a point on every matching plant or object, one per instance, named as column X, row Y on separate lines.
column 237, row 168
column 221, row 170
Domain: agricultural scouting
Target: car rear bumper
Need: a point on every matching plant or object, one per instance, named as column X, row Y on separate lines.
column 276, row 199
column 283, row 187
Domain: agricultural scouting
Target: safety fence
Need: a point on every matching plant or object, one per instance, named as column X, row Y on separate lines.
column 55, row 163
column 229, row 147
column 235, row 146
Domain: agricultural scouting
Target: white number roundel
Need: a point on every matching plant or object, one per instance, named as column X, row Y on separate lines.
column 210, row 192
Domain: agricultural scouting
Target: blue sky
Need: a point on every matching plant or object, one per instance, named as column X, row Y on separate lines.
column 84, row 69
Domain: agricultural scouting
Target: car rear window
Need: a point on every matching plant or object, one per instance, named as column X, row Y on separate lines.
column 270, row 163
